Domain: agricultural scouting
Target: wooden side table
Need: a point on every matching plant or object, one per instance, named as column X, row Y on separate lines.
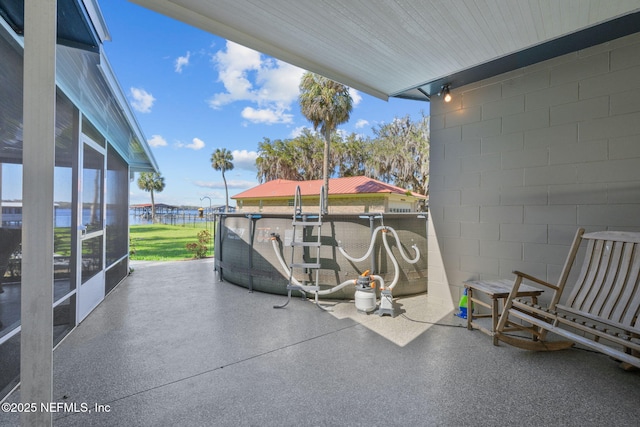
column 496, row 290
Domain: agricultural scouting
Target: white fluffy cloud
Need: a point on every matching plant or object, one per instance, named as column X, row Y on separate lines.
column 157, row 141
column 182, row 61
column 355, row 96
column 142, row 101
column 244, row 159
column 266, row 115
column 361, row 123
column 270, row 84
column 196, row 144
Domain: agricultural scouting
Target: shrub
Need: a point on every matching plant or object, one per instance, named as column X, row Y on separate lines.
column 199, row 248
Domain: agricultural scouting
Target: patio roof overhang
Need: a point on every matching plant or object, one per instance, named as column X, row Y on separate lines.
column 409, row 49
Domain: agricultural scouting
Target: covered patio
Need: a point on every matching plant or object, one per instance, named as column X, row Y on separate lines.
column 171, row 346
column 539, row 138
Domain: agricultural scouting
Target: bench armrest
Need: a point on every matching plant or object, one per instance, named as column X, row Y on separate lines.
column 535, row 279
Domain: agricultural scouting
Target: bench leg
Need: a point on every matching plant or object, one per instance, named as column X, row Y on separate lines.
column 494, row 319
column 469, row 312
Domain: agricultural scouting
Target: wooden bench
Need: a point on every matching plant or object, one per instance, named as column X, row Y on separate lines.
column 495, row 290
column 602, row 310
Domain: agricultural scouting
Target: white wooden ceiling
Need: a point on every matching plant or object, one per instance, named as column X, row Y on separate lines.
column 391, row 47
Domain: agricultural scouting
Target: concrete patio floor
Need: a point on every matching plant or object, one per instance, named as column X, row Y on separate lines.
column 169, row 347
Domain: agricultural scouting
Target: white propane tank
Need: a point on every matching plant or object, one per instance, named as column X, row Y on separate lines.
column 365, row 295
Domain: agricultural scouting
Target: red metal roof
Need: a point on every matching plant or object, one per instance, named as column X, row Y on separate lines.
column 337, row 186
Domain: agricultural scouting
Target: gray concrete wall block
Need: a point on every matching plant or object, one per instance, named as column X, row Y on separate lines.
column 547, row 175
column 623, row 192
column 502, row 214
column 449, row 229
column 578, row 194
column 610, row 216
column 546, row 254
column 610, row 127
column 499, row 178
column 480, row 231
column 591, row 151
column 479, row 265
column 609, row 171
column 460, row 246
column 462, row 213
column 436, row 122
column 503, row 107
column 501, row 249
column 481, row 129
column 610, row 83
column 555, row 95
column 526, row 83
column 445, row 166
column 463, row 116
column 531, row 233
column 525, row 158
column 446, row 135
column 625, row 102
column 625, row 57
column 435, row 182
column 436, row 150
column 545, row 215
column 436, row 214
column 586, row 109
column 535, row 119
column 587, row 66
column 445, row 198
column 519, row 196
column 481, row 95
column 500, row 143
column 463, row 148
column 480, row 197
column 465, row 180
column 626, row 147
column 549, row 136
column 481, row 163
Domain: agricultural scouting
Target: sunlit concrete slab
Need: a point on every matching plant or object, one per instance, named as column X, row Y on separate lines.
column 169, row 347
column 412, row 316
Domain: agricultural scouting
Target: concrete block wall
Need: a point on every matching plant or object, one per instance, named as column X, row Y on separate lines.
column 521, row 160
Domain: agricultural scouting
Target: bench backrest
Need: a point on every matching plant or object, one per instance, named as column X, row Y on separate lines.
column 608, row 286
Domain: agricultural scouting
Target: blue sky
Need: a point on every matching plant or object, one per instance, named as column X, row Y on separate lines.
column 193, row 92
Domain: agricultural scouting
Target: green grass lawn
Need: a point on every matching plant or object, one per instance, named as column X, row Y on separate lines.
column 159, row 242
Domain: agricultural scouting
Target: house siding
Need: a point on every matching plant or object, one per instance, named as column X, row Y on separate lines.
column 342, row 205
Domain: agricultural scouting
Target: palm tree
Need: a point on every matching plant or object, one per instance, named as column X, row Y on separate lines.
column 326, row 104
column 151, row 181
column 221, row 161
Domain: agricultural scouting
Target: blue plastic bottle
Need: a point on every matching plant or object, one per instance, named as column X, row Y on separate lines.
column 463, row 304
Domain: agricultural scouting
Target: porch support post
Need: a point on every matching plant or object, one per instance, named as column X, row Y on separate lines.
column 36, row 342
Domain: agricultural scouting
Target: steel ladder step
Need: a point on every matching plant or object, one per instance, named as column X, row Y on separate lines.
column 305, row 265
column 307, row 244
column 307, row 223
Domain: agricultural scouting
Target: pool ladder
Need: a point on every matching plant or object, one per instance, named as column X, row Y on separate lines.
column 305, row 224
